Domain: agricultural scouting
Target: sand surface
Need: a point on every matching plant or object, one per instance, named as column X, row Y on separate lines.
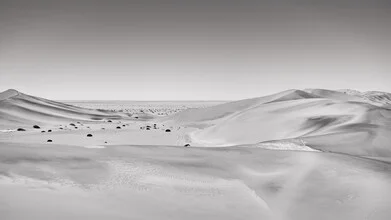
column 311, row 154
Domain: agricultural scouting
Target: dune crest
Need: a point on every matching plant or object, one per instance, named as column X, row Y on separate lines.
column 8, row 94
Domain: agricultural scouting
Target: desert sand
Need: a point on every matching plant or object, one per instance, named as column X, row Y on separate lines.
column 298, row 154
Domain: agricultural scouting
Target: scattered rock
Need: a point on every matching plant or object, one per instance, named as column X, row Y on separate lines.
column 187, row 145
column 49, row 140
column 36, row 127
column 89, row 135
column 21, row 129
column 168, row 130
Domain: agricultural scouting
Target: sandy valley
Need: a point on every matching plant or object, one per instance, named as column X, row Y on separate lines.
column 298, row 154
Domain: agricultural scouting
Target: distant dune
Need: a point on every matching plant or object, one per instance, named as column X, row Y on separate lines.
column 17, row 109
column 382, row 99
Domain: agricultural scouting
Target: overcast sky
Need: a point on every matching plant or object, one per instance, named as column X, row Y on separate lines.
column 192, row 50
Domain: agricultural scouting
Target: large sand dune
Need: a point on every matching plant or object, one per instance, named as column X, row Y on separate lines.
column 326, row 120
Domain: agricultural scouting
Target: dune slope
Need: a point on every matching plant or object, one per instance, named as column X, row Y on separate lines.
column 17, row 109
column 321, row 117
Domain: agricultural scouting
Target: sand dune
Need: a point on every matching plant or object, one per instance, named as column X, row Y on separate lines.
column 326, row 120
column 20, row 109
column 323, row 118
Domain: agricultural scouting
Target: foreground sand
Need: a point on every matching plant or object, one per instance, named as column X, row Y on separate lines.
column 157, row 182
column 312, row 154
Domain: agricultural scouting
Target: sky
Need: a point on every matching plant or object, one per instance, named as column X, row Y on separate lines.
column 192, row 50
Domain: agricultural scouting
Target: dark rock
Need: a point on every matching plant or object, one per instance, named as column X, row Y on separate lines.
column 105, row 142
column 49, row 130
column 42, row 131
column 109, row 121
column 123, row 125
column 21, row 129
column 118, row 127
column 71, row 124
column 75, row 127
column 168, row 130
column 89, row 135
column 49, row 140
column 36, row 127
column 60, row 128
column 187, row 145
